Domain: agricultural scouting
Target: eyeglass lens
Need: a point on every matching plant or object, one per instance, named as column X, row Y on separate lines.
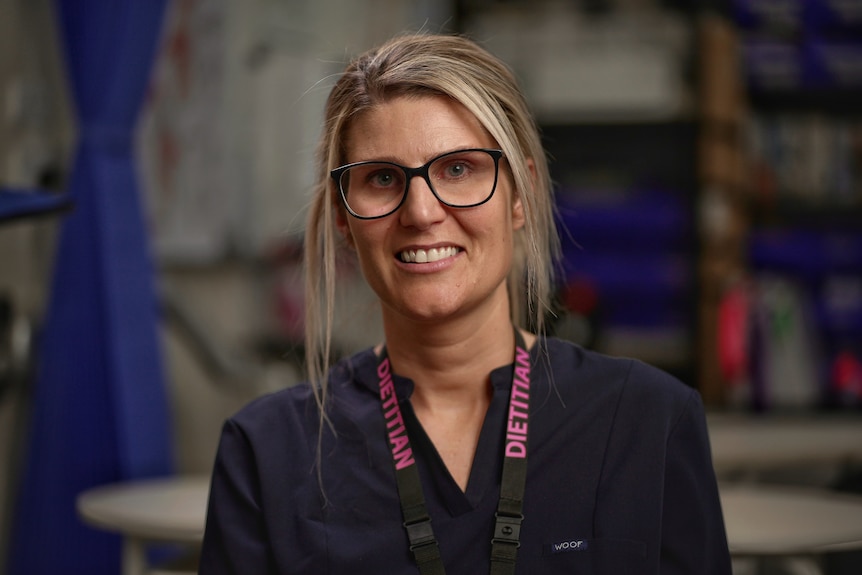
column 458, row 179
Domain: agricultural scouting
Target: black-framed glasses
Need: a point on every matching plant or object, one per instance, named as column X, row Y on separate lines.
column 459, row 179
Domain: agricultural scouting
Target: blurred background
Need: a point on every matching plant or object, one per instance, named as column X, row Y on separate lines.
column 707, row 157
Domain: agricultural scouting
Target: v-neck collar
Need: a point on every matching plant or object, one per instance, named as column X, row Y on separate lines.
column 487, row 461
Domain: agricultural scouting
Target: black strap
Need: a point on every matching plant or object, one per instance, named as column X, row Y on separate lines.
column 507, row 529
column 417, row 522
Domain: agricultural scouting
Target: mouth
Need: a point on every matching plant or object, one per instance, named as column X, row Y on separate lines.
column 421, row 256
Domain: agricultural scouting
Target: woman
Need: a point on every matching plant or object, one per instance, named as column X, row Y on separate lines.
column 463, row 444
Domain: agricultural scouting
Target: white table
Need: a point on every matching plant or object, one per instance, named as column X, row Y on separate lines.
column 171, row 509
column 747, row 443
column 790, row 521
column 792, row 526
column 761, row 521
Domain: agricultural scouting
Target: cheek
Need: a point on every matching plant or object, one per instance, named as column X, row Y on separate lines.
column 495, row 234
column 368, row 240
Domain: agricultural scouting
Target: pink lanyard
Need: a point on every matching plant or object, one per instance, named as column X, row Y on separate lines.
column 417, row 522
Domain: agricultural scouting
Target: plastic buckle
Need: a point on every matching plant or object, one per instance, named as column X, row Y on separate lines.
column 508, row 529
column 420, row 533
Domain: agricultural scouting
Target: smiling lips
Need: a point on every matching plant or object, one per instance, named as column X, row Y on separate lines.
column 421, row 256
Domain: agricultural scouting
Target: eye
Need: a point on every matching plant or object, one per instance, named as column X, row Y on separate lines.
column 456, row 169
column 452, row 169
column 382, row 178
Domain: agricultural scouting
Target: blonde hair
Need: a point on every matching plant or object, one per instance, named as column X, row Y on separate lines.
column 429, row 64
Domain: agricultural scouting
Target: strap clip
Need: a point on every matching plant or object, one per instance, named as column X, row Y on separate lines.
column 420, row 533
column 508, row 529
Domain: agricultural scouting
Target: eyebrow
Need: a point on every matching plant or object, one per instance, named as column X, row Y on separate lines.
column 393, row 160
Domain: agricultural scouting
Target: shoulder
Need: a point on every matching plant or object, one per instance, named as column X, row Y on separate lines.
column 295, row 411
column 581, row 373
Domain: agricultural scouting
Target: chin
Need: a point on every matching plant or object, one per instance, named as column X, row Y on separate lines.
column 428, row 312
column 433, row 314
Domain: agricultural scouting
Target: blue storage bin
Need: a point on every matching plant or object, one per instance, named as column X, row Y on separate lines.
column 758, row 14
column 832, row 15
column 773, row 65
column 634, row 288
column 795, row 15
column 805, row 254
column 634, row 247
column 647, row 222
column 838, row 306
column 832, row 64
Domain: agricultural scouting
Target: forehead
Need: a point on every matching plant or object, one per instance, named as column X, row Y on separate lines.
column 413, row 129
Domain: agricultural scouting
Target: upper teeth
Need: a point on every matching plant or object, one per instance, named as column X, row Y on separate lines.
column 425, row 256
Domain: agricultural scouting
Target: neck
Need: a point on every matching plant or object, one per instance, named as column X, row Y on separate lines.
column 450, row 361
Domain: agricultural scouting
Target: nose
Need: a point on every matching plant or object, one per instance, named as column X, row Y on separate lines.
column 421, row 208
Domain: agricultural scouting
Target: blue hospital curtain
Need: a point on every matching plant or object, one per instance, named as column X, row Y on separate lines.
column 99, row 411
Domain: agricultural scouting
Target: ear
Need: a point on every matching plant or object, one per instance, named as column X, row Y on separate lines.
column 518, row 217
column 341, row 222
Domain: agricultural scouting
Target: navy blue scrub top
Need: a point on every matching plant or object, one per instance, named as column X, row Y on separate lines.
column 620, row 478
